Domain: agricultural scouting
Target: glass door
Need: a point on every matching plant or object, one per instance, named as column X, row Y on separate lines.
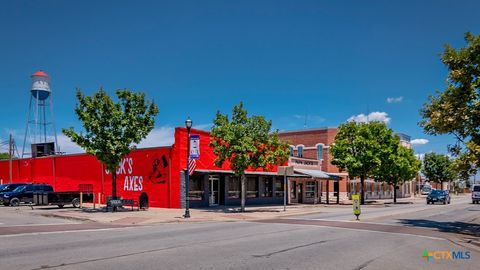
column 300, row 193
column 214, row 190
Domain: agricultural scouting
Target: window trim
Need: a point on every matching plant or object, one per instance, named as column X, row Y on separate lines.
column 300, row 146
column 323, row 149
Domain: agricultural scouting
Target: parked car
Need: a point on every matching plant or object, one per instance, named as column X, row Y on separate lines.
column 476, row 193
column 437, row 195
column 10, row 187
column 23, row 194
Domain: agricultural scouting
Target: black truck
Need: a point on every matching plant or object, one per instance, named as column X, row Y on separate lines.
column 42, row 194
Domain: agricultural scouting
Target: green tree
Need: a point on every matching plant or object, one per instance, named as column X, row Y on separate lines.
column 456, row 110
column 246, row 142
column 358, row 147
column 438, row 168
column 398, row 165
column 111, row 129
column 4, row 156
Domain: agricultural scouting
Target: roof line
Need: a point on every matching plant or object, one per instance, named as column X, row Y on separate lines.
column 306, row 130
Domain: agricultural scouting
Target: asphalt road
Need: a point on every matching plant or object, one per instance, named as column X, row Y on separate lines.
column 306, row 242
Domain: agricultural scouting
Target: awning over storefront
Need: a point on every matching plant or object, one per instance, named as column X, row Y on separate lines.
column 252, row 173
column 318, row 174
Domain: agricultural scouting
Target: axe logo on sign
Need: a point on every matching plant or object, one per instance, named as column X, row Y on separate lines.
column 159, row 172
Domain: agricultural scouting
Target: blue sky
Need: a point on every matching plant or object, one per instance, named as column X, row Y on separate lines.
column 326, row 60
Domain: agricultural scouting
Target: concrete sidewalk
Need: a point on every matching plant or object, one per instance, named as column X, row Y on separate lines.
column 164, row 215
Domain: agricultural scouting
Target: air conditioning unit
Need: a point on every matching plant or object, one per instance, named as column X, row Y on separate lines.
column 43, row 149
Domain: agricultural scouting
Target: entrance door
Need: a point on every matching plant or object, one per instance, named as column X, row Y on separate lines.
column 214, row 190
column 300, row 193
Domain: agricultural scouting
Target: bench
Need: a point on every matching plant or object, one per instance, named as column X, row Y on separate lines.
column 131, row 202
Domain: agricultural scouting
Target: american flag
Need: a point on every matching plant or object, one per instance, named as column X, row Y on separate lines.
column 192, row 164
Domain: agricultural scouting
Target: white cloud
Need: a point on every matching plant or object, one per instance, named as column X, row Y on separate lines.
column 373, row 116
column 205, row 127
column 162, row 136
column 394, row 99
column 419, row 141
column 66, row 145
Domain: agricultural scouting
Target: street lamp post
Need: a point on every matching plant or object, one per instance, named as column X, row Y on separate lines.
column 188, row 125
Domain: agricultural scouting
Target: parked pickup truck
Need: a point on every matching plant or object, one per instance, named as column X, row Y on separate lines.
column 23, row 194
column 42, row 194
column 10, row 187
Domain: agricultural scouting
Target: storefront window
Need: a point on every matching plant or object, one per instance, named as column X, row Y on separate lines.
column 310, row 189
column 234, row 188
column 266, row 187
column 278, row 187
column 252, row 187
column 196, row 188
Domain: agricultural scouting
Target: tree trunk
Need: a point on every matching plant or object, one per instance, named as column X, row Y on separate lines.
column 394, row 194
column 243, row 193
column 114, row 185
column 114, row 189
column 362, row 190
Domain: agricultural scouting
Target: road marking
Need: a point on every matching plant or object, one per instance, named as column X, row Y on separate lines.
column 60, row 232
column 366, row 230
column 362, row 222
column 41, row 224
column 356, row 226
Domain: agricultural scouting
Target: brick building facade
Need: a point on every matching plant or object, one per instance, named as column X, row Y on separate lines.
column 314, row 144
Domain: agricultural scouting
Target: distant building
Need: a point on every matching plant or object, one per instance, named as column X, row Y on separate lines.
column 314, row 144
column 405, row 140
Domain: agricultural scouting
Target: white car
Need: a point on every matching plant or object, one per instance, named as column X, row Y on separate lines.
column 476, row 193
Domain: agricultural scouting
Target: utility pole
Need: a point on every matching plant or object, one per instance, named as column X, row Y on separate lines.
column 10, row 154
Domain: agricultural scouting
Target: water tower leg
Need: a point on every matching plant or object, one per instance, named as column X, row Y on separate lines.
column 26, row 128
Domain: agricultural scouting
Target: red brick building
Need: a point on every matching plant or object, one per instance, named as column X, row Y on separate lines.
column 314, row 144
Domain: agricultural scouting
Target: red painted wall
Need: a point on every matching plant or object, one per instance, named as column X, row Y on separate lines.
column 143, row 170
column 155, row 171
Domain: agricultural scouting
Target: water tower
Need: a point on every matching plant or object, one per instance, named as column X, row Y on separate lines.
column 40, row 130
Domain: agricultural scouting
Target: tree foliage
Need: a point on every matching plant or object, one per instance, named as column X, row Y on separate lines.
column 438, row 168
column 111, row 129
column 358, row 149
column 4, row 156
column 398, row 165
column 456, row 110
column 246, row 142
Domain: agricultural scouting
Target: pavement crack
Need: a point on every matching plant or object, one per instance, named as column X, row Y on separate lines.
column 365, row 264
column 106, row 258
column 152, row 251
column 288, row 249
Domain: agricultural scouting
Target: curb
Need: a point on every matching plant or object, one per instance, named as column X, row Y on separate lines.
column 66, row 217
